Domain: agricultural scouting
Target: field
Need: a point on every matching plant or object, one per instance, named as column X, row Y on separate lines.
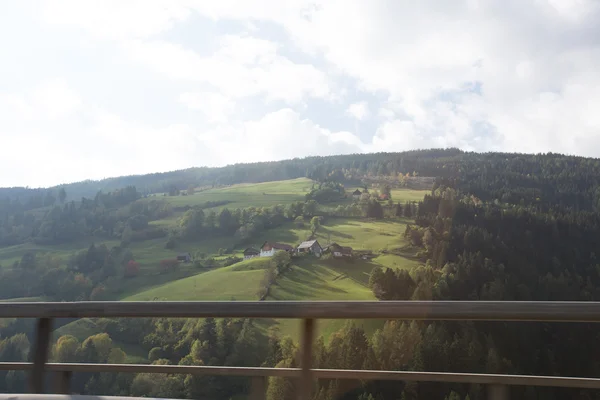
column 249, row 195
column 10, row 254
column 309, row 278
column 233, row 282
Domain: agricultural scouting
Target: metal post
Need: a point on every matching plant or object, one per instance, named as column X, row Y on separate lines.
column 40, row 354
column 63, row 382
column 305, row 390
column 258, row 388
column 498, row 392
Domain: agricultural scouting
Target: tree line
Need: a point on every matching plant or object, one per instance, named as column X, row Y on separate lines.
column 505, row 234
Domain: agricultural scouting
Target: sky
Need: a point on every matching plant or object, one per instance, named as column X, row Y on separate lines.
column 94, row 89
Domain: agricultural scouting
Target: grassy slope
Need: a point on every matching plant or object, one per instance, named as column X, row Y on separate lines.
column 10, row 254
column 250, row 195
column 240, row 281
column 308, row 279
column 333, row 279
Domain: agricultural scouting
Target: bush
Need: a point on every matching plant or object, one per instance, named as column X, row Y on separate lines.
column 99, row 293
column 156, row 353
column 232, row 260
column 168, row 265
column 171, row 243
column 132, row 269
column 211, row 262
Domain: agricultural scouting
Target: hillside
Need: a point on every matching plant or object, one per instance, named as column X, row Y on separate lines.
column 312, row 279
column 492, row 227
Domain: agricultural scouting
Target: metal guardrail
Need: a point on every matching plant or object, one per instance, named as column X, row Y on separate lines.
column 309, row 312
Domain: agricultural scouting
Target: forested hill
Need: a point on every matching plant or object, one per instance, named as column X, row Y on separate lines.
column 426, row 162
column 567, row 180
column 492, row 226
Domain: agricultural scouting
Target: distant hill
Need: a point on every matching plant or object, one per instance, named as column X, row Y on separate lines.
column 311, row 167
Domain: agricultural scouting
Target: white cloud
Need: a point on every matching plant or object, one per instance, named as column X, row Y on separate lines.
column 61, row 139
column 214, row 106
column 418, row 53
column 52, row 99
column 517, row 76
column 276, row 136
column 359, row 110
column 55, row 99
column 242, row 67
column 116, row 19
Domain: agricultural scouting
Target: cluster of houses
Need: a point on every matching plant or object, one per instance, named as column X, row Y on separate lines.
column 268, row 249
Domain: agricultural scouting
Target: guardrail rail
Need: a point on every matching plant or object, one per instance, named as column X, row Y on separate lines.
column 309, row 312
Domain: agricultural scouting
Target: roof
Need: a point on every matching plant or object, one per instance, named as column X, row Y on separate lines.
column 278, row 246
column 341, row 249
column 251, row 250
column 357, row 192
column 308, row 244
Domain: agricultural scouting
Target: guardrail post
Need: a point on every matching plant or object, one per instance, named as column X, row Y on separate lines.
column 306, row 359
column 40, row 354
column 63, row 382
column 498, row 392
column 258, row 388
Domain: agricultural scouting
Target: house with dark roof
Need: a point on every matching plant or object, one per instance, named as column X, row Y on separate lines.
column 251, row 252
column 310, row 246
column 340, row 251
column 268, row 249
column 184, row 257
column 356, row 194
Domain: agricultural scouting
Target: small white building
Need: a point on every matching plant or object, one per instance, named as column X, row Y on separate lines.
column 268, row 249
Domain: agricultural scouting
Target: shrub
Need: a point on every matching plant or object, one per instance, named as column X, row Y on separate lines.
column 171, row 243
column 99, row 293
column 232, row 260
column 168, row 265
column 132, row 269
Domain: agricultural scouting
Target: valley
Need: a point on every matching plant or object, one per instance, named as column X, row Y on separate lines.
column 494, row 226
column 307, row 279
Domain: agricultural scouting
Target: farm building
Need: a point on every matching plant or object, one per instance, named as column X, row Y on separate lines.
column 384, row 196
column 356, row 194
column 268, row 249
column 184, row 257
column 251, row 252
column 340, row 251
column 311, row 246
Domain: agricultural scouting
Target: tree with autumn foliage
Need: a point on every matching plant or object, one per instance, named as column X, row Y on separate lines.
column 132, row 269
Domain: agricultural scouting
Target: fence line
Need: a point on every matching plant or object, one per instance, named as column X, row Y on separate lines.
column 560, row 311
column 309, row 312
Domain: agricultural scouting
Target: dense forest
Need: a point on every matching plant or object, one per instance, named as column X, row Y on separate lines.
column 495, row 227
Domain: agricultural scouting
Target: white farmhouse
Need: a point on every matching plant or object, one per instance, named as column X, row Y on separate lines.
column 270, row 248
